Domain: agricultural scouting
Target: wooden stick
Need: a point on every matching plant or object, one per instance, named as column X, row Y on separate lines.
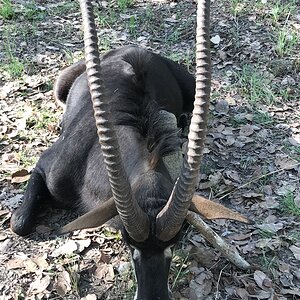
column 228, row 251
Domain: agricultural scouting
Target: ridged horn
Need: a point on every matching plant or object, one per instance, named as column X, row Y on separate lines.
column 134, row 219
column 172, row 216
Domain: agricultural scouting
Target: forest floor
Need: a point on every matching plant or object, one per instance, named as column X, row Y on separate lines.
column 252, row 154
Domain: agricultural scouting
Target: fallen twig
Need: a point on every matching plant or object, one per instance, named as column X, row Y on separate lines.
column 228, row 251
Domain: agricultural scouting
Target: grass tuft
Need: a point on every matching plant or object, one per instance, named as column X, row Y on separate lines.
column 6, row 9
column 289, row 206
column 33, row 13
column 123, row 4
column 255, row 86
column 280, row 10
column 15, row 67
column 286, row 42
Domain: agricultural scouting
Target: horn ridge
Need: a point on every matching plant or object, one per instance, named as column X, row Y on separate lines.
column 134, row 219
column 172, row 216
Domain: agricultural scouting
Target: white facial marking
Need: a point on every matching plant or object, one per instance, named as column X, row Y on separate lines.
column 136, row 254
column 168, row 252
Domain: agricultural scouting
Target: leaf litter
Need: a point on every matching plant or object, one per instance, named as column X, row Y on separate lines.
column 251, row 161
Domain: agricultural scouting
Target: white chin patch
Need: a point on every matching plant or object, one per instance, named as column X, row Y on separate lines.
column 168, row 252
column 136, row 254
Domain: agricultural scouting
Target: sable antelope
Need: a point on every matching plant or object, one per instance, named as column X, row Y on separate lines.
column 133, row 95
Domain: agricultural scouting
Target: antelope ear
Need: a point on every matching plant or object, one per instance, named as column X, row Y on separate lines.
column 212, row 210
column 94, row 218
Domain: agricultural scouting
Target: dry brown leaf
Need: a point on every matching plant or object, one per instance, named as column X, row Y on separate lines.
column 271, row 227
column 15, row 263
column 246, row 130
column 105, row 272
column 39, row 285
column 240, row 236
column 259, row 277
column 63, row 283
column 89, row 297
column 3, row 237
column 297, row 200
column 41, row 262
column 242, row 293
column 222, row 107
column 285, row 162
column 202, row 255
column 20, row 176
column 270, row 202
column 30, row 266
column 82, row 244
column 263, row 294
column 233, row 175
column 201, row 286
column 66, row 249
column 295, row 291
column 296, row 251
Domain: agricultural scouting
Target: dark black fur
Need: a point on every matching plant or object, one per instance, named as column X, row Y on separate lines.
column 72, row 174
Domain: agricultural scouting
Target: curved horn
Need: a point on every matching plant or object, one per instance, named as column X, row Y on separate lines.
column 171, row 217
column 134, row 219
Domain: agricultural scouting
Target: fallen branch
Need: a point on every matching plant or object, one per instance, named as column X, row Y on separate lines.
column 228, row 251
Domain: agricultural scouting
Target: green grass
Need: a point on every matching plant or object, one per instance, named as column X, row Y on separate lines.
column 185, row 58
column 268, row 262
column 113, row 234
column 132, row 26
column 7, row 11
column 294, row 236
column 32, row 12
column 263, row 118
column 295, row 150
column 123, row 4
column 282, row 10
column 42, row 120
column 179, row 268
column 265, row 234
column 236, row 7
column 247, row 161
column 129, row 281
column 72, row 269
column 105, row 44
column 255, row 87
column 289, row 206
column 11, row 64
column 107, row 18
column 14, row 67
column 26, row 159
column 286, row 42
column 65, row 7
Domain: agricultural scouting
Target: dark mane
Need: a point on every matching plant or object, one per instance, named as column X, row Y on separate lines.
column 137, row 108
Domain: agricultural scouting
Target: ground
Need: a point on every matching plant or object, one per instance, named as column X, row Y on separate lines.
column 252, row 154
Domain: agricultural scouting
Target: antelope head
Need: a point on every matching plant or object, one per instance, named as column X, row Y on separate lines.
column 150, row 237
